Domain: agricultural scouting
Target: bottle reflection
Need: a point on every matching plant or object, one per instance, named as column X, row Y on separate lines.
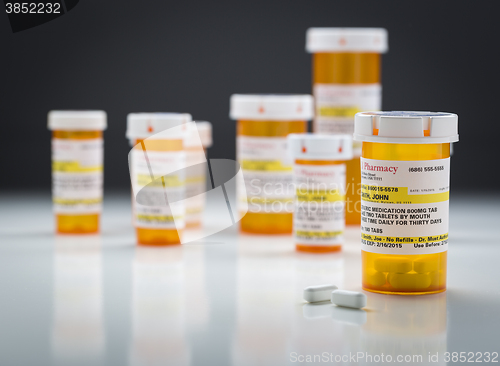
column 406, row 326
column 196, row 298
column 265, row 300
column 158, row 307
column 78, row 334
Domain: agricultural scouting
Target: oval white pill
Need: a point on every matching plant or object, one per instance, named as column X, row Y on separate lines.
column 319, row 293
column 349, row 299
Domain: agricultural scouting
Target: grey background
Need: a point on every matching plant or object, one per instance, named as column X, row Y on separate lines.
column 190, row 56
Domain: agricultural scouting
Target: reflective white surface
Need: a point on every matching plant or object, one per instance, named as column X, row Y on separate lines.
column 228, row 299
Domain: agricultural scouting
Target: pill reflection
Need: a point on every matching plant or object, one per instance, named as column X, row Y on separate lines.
column 316, row 329
column 325, row 328
column 77, row 333
column 319, row 310
column 348, row 316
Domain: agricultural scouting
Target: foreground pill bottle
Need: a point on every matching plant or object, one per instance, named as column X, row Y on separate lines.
column 319, row 179
column 77, row 169
column 198, row 141
column 156, row 225
column 346, row 74
column 405, row 174
column 263, row 124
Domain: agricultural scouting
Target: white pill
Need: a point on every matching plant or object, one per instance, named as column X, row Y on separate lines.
column 349, row 299
column 318, row 293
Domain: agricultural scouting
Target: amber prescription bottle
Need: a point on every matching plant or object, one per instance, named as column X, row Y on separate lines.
column 264, row 122
column 198, row 141
column 157, row 169
column 319, row 179
column 77, row 169
column 346, row 80
column 405, row 175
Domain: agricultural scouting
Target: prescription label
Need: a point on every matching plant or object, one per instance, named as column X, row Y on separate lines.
column 195, row 185
column 319, row 204
column 158, row 183
column 404, row 206
column 267, row 175
column 337, row 104
column 77, row 176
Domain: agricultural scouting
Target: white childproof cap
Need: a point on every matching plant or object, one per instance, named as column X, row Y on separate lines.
column 144, row 125
column 200, row 132
column 77, row 120
column 346, row 40
column 158, row 126
column 308, row 146
column 406, row 127
column 271, row 107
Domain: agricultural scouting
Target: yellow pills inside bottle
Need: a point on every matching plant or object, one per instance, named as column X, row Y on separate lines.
column 405, row 171
column 393, row 264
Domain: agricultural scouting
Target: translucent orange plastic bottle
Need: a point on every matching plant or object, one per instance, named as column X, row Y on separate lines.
column 197, row 143
column 77, row 169
column 319, row 179
column 346, row 80
column 405, row 169
column 264, row 122
column 156, row 223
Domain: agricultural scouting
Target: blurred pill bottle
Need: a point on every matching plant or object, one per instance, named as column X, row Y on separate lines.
column 77, row 169
column 157, row 165
column 198, row 141
column 319, row 178
column 263, row 123
column 346, row 74
column 405, row 177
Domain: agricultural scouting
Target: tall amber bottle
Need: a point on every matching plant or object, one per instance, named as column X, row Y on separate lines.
column 346, row 74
